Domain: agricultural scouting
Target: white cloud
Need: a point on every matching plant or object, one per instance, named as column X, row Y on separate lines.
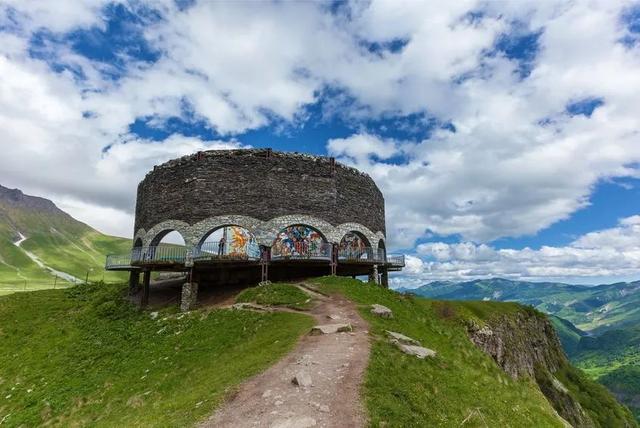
column 504, row 172
column 604, row 255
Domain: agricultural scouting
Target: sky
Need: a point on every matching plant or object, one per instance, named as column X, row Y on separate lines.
column 505, row 136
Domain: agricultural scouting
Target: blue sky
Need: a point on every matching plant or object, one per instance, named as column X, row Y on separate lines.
column 505, row 144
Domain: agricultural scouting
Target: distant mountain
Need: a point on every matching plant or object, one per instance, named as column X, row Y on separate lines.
column 39, row 241
column 598, row 326
column 590, row 308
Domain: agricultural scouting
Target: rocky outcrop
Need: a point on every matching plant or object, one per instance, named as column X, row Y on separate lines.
column 524, row 344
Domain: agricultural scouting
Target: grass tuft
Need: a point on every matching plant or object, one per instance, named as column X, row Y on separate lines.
column 276, row 295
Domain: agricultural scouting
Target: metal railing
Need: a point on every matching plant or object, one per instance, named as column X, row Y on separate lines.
column 365, row 254
column 159, row 254
column 212, row 251
column 304, row 252
column 215, row 251
column 395, row 261
column 118, row 261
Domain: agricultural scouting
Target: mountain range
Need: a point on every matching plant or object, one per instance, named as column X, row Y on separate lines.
column 598, row 326
column 42, row 246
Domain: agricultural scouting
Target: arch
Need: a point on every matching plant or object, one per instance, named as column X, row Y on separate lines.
column 341, row 230
column 355, row 245
column 157, row 240
column 300, row 241
column 382, row 250
column 140, row 235
column 137, row 243
column 160, row 230
column 271, row 228
column 232, row 240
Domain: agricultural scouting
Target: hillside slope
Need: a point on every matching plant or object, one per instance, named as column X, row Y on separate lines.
column 523, row 359
column 85, row 356
column 52, row 236
column 590, row 308
column 605, row 343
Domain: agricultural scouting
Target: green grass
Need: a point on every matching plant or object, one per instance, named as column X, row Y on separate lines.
column 85, row 357
column 276, row 295
column 461, row 383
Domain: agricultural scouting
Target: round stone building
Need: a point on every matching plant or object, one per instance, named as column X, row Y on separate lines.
column 247, row 216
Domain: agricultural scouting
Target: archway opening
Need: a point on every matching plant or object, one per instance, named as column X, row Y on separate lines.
column 300, row 242
column 354, row 246
column 167, row 246
column 230, row 241
column 382, row 250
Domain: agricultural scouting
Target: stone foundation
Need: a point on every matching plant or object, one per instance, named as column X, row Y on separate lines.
column 189, row 296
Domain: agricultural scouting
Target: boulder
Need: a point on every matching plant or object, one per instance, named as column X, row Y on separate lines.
column 302, row 379
column 381, row 311
column 330, row 328
column 418, row 351
column 401, row 338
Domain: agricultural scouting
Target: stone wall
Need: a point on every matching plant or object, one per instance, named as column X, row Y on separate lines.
column 258, row 185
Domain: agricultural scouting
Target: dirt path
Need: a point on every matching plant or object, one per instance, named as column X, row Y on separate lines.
column 334, row 362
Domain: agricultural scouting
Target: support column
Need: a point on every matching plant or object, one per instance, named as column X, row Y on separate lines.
column 384, row 278
column 146, row 279
column 373, row 275
column 265, row 258
column 334, row 259
column 189, row 296
column 134, row 282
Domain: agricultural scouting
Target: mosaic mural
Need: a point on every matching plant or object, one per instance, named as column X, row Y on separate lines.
column 238, row 243
column 353, row 245
column 295, row 241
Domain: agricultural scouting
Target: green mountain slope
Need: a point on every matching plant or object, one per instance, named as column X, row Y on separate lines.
column 87, row 357
column 568, row 334
column 606, row 341
column 56, row 239
column 590, row 308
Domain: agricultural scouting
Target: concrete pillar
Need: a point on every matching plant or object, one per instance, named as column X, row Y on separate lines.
column 189, row 296
column 384, row 278
column 373, row 275
column 134, row 282
column 144, row 298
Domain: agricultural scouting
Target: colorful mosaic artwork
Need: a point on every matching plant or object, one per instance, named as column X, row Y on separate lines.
column 297, row 241
column 353, row 245
column 241, row 242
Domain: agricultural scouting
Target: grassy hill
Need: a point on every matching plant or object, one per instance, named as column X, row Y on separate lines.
column 85, row 356
column 590, row 308
column 606, row 338
column 55, row 238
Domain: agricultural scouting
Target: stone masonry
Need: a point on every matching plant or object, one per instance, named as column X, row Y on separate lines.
column 260, row 185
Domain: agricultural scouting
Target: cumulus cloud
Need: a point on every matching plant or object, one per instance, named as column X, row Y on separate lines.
column 506, row 157
column 608, row 253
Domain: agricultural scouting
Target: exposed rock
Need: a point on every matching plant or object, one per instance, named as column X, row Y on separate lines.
column 300, row 422
column 524, row 344
column 302, row 379
column 418, row 351
column 381, row 311
column 401, row 338
column 330, row 328
column 250, row 306
column 333, row 317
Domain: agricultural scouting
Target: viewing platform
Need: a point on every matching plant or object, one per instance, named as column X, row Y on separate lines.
column 250, row 216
